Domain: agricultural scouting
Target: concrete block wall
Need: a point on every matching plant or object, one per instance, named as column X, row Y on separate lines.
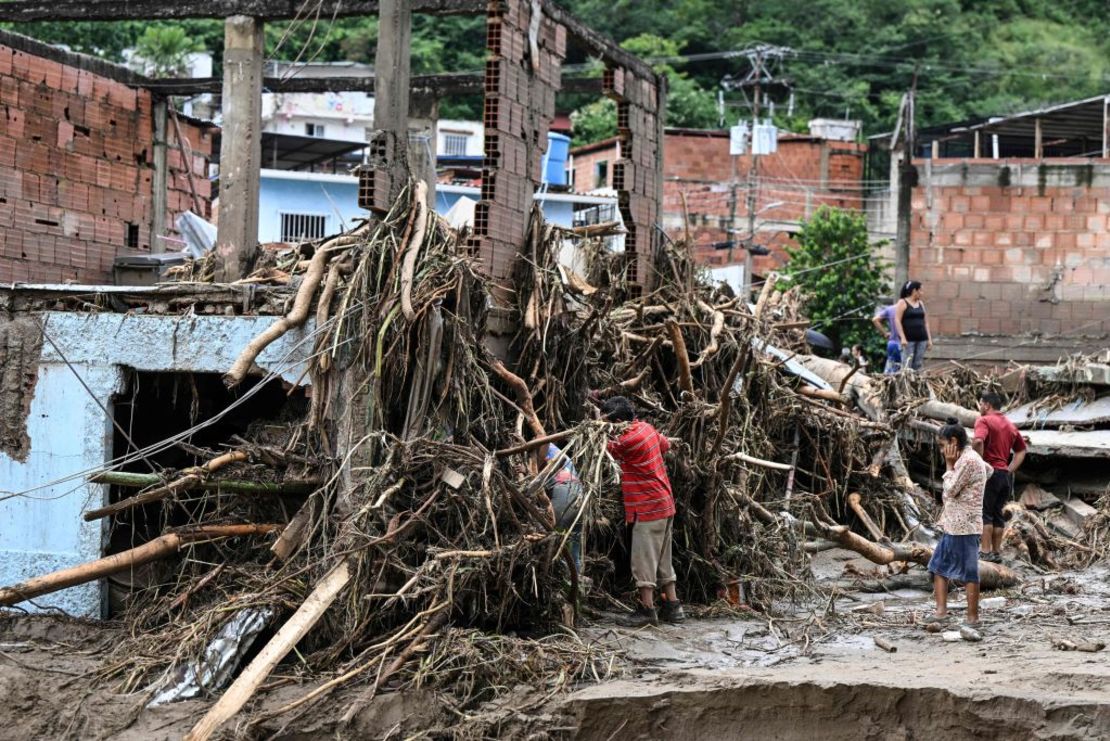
column 77, row 167
column 1014, row 247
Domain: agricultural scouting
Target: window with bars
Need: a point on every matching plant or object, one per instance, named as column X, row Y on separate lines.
column 302, row 227
column 454, row 145
column 314, row 129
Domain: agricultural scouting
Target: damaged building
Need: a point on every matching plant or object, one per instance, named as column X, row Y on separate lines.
column 1008, row 230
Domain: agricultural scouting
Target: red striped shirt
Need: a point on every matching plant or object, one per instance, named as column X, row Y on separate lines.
column 644, row 483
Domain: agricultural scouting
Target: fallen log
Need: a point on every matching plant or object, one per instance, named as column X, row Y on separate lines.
column 140, row 480
column 160, row 547
column 294, row 629
column 941, row 411
column 861, row 513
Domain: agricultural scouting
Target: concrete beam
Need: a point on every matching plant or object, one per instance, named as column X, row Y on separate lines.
column 445, row 85
column 273, row 10
column 240, row 148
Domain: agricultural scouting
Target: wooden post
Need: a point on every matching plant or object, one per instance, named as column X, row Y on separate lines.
column 392, row 67
column 907, row 179
column 294, row 629
column 978, row 145
column 240, row 148
column 159, row 180
column 1038, row 139
column 1106, row 127
column 936, row 149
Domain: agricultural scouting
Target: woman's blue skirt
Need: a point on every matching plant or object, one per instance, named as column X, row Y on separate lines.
column 957, row 557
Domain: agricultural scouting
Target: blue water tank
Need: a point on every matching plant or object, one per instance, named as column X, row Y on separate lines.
column 555, row 161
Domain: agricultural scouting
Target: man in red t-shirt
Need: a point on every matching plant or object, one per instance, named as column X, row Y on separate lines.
column 649, row 509
column 996, row 439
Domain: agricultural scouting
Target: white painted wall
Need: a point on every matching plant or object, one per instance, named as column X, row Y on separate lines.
column 41, row 529
column 474, row 132
column 344, row 116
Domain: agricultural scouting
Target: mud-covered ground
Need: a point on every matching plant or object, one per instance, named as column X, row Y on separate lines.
column 812, row 675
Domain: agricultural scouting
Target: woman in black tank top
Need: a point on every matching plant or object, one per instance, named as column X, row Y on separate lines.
column 913, row 326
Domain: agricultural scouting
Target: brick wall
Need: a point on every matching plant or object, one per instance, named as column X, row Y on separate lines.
column 76, row 166
column 1014, row 247
column 804, row 174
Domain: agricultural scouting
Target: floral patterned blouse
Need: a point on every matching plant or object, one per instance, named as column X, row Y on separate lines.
column 963, row 495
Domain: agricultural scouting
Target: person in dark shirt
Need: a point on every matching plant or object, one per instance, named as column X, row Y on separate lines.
column 648, row 509
column 913, row 326
column 1003, row 447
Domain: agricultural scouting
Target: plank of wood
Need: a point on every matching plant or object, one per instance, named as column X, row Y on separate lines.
column 294, row 629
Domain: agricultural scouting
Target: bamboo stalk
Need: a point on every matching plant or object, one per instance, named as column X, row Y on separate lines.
column 139, row 480
column 160, row 547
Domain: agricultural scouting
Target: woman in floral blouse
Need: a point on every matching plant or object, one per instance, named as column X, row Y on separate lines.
column 956, row 557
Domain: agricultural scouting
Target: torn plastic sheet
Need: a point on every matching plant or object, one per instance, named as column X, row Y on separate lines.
column 220, row 660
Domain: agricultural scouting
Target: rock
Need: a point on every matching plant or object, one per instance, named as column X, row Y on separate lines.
column 1035, row 498
column 952, row 636
column 992, row 603
column 1078, row 511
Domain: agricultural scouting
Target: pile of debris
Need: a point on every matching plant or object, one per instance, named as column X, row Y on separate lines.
column 400, row 533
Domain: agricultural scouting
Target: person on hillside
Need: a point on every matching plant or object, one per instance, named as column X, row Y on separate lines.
column 956, row 557
column 912, row 326
column 649, row 510
column 1002, row 446
column 884, row 322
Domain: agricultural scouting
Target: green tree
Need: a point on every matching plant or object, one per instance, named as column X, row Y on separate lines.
column 688, row 105
column 165, row 50
column 841, row 276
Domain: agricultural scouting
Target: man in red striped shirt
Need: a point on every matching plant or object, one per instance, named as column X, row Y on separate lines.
column 649, row 509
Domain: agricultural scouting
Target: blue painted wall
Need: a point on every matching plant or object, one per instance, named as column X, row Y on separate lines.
column 334, row 200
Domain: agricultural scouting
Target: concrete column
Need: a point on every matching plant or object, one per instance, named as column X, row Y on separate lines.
column 392, row 68
column 240, row 148
column 160, row 180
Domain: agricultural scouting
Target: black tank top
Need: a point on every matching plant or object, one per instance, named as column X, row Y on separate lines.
column 913, row 323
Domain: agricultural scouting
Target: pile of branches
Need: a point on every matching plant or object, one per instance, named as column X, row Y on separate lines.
column 404, row 531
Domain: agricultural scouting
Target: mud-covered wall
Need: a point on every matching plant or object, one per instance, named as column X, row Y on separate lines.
column 20, row 344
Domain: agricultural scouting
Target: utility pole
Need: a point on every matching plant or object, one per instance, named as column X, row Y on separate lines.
column 907, row 179
column 762, row 60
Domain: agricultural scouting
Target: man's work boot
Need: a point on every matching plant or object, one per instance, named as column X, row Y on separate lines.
column 638, row 619
column 672, row 612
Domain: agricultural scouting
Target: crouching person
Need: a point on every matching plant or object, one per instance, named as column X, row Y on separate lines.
column 956, row 557
column 649, row 509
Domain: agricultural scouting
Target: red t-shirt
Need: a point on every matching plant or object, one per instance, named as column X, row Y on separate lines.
column 999, row 437
column 644, row 483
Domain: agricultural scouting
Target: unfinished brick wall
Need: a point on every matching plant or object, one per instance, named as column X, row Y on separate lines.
column 77, row 167
column 1014, row 247
column 636, row 174
column 805, row 173
column 520, row 86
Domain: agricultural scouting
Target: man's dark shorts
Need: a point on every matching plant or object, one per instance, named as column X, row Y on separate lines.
column 999, row 489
